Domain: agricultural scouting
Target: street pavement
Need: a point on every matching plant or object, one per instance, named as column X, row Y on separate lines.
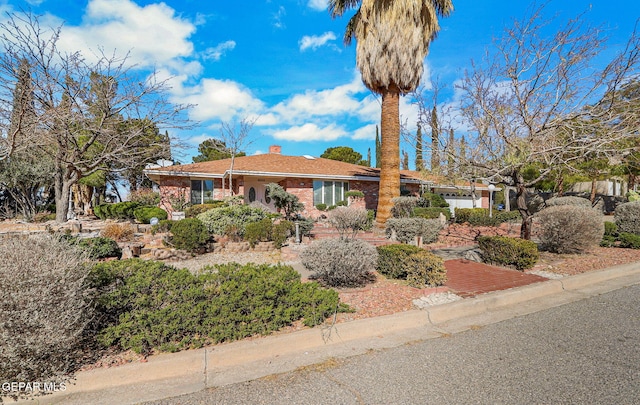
column 586, row 352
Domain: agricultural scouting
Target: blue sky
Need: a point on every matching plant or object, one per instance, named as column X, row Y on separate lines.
column 284, row 62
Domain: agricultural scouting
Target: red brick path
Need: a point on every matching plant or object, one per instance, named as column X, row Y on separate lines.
column 468, row 279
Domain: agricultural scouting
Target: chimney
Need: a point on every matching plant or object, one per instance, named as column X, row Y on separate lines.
column 275, row 149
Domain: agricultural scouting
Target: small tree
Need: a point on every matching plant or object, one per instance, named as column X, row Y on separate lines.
column 286, row 202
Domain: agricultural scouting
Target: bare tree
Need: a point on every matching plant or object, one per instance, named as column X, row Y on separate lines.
column 235, row 137
column 538, row 98
column 89, row 115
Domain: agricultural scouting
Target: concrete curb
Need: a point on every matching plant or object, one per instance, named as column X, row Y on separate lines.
column 169, row 375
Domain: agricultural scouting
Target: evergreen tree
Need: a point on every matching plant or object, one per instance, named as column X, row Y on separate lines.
column 378, row 148
column 369, row 157
column 419, row 160
column 405, row 160
column 451, row 158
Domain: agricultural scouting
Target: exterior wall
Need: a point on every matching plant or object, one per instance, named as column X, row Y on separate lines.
column 303, row 189
column 370, row 190
column 176, row 186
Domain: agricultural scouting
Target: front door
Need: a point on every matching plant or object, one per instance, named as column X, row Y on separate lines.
column 255, row 190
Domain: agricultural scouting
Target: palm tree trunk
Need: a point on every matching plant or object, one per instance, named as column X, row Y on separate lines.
column 390, row 154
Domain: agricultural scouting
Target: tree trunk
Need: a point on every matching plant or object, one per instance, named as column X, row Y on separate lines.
column 62, row 192
column 594, row 189
column 389, row 154
column 560, row 185
column 521, row 203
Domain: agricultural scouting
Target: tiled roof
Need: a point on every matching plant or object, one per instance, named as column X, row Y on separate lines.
column 274, row 165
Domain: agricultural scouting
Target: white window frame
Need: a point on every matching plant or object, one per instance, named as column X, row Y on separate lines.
column 203, row 199
column 345, row 188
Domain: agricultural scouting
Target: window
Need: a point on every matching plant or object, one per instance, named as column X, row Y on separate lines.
column 329, row 192
column 201, row 191
column 252, row 194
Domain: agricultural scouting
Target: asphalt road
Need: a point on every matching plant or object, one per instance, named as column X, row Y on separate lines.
column 587, row 352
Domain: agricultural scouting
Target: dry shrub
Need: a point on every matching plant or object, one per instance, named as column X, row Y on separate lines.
column 118, row 232
column 44, row 309
column 570, row 228
column 627, row 217
column 349, row 220
column 340, row 262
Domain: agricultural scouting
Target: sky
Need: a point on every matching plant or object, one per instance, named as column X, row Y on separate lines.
column 284, row 63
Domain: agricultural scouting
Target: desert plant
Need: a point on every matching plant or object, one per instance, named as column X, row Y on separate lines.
column 568, row 200
column 407, row 229
column 627, row 217
column 220, row 220
column 392, row 260
column 569, row 228
column 149, row 305
column 629, row 240
column 405, row 262
column 340, row 262
column 118, row 232
column 285, row 202
column 44, row 309
column 145, row 197
column 403, row 206
column 349, row 221
column 197, row 209
column 144, row 214
column 519, row 253
column 189, row 234
column 100, row 247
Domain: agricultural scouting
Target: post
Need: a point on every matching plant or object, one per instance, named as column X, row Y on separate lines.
column 491, row 189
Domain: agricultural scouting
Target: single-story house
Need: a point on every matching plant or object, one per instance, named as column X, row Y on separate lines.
column 314, row 180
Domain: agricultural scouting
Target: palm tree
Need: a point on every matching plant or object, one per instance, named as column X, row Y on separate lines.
column 393, row 38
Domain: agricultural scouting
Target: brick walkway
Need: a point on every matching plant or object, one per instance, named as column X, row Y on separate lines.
column 468, row 279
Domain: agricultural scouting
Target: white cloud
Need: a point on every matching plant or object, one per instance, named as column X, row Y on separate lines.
column 309, row 132
column 366, row 133
column 318, row 5
column 315, row 41
column 217, row 99
column 216, row 52
column 152, row 34
column 277, row 17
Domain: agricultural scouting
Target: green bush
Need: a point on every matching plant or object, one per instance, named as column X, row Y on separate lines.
column 433, row 200
column 164, row 225
column 121, row 210
column 627, row 217
column 354, row 194
column 189, row 234
column 507, row 216
column 321, row 207
column 340, row 262
column 519, row 253
column 100, row 247
column 260, row 231
column 220, row 220
column 305, row 225
column 568, row 200
column 149, row 305
column 144, row 214
column 419, row 267
column 569, row 228
column 629, row 240
column 197, row 209
column 406, row 229
column 281, row 232
column 463, row 215
column 610, row 229
column 392, row 260
column 431, row 212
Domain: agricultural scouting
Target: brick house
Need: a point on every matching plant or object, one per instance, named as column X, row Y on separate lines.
column 313, row 180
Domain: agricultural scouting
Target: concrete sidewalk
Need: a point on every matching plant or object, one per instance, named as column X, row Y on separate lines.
column 169, row 375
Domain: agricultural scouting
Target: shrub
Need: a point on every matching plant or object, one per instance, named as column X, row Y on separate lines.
column 164, row 225
column 569, row 228
column 627, row 217
column 433, row 200
column 419, row 267
column 348, row 221
column 463, row 215
column 44, row 216
column 425, row 269
column 392, row 260
column 121, row 210
column 305, row 225
column 321, row 207
column 406, row 229
column 287, row 203
column 519, row 253
column 281, row 232
column 354, row 194
column 340, row 262
column 220, row 220
column 197, row 209
column 610, row 229
column 144, row 214
column 431, row 212
column 118, row 232
column 260, row 231
column 44, row 309
column 507, row 216
column 629, row 240
column 189, row 234
column 403, row 206
column 100, row 247
column 568, row 200
column 633, row 196
column 150, row 305
column 145, row 197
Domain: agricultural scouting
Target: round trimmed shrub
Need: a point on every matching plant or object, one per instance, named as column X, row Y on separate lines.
column 189, row 234
column 392, row 260
column 219, row 220
column 569, row 228
column 519, row 253
column 568, row 200
column 627, row 217
column 340, row 262
column 406, row 262
column 144, row 214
